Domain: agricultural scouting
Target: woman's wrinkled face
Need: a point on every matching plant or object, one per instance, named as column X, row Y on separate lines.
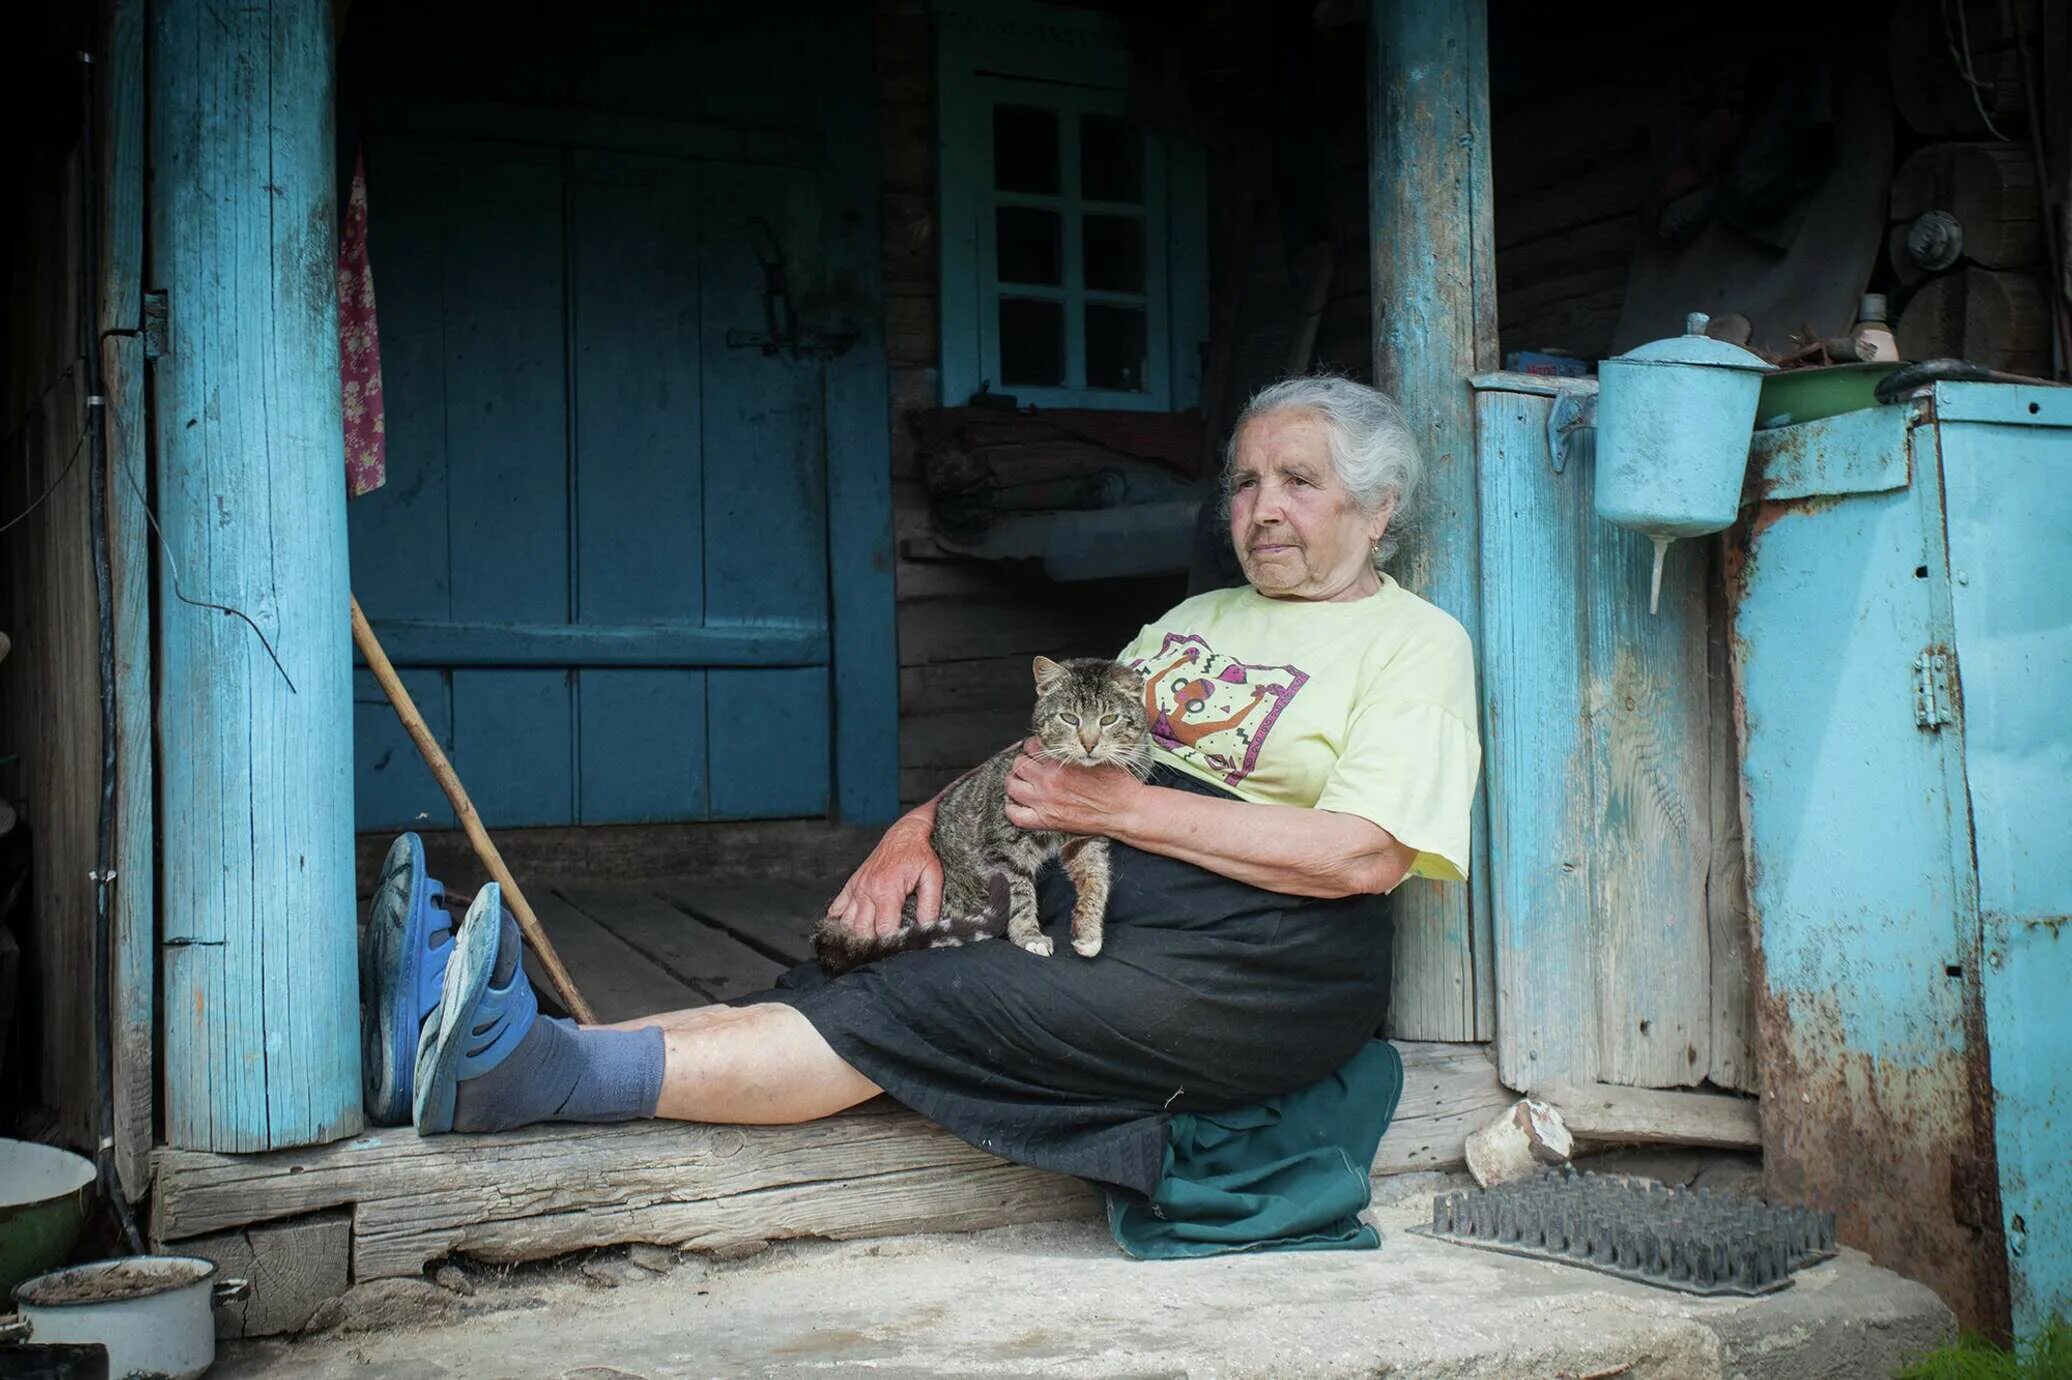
column 1297, row 530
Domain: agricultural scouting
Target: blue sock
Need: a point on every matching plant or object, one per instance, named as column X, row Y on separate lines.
column 559, row 1071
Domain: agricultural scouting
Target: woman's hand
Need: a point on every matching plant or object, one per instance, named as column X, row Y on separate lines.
column 1042, row 794
column 902, row 865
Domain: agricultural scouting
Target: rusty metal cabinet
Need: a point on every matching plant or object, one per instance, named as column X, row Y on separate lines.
column 1901, row 600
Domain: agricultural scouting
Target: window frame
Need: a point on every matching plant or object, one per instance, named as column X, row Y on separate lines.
column 1074, row 63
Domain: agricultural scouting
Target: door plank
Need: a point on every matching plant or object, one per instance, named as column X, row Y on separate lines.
column 699, row 955
column 507, row 463
column 639, row 478
column 398, row 541
column 1540, row 853
column 1652, row 794
column 775, row 917
column 765, row 492
column 618, row 981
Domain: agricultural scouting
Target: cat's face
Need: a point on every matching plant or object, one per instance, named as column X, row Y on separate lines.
column 1090, row 712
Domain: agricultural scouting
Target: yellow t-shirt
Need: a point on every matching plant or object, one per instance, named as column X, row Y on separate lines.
column 1365, row 708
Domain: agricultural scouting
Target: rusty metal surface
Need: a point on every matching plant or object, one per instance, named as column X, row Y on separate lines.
column 1871, row 1025
column 1856, row 452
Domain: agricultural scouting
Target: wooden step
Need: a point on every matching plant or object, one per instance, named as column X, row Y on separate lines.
column 529, row 1194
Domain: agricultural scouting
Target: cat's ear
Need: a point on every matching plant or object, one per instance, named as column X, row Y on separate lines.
column 1126, row 676
column 1048, row 674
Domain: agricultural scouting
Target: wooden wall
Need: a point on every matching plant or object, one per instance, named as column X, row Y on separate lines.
column 50, row 719
column 968, row 630
column 54, row 718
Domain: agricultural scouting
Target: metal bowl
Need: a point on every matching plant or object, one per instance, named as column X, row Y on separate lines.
column 44, row 1195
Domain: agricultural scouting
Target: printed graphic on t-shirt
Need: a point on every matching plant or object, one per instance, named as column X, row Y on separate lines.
column 1210, row 710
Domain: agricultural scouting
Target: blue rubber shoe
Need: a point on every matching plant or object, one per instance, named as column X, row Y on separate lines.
column 402, row 970
column 476, row 1024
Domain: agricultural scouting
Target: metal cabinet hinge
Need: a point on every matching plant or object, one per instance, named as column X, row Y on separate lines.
column 155, row 343
column 1933, row 704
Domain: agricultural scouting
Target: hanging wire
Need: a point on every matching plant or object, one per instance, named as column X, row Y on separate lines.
column 72, row 463
column 1960, row 50
column 173, row 568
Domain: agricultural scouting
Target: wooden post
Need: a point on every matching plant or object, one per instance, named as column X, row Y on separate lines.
column 1434, row 294
column 260, row 981
column 135, row 973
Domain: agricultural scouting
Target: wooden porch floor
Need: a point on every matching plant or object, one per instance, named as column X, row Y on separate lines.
column 665, row 943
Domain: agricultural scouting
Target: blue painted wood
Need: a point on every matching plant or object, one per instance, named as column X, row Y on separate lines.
column 766, row 514
column 767, row 730
column 639, row 486
column 1434, row 295
column 401, row 555
column 393, row 788
column 565, row 458
column 1867, row 922
column 260, row 998
column 508, row 480
column 402, row 559
column 1539, row 748
column 135, row 973
column 862, row 610
column 626, row 645
column 2008, row 496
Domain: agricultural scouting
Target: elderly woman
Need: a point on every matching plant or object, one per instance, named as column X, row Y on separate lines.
column 1315, row 745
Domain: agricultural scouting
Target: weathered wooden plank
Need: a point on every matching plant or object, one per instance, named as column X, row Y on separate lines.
column 544, row 1190
column 1434, row 301
column 1727, row 922
column 963, row 686
column 1651, row 832
column 1449, row 1090
column 701, row 956
column 735, row 849
column 773, row 916
column 293, row 1267
column 618, row 981
column 962, row 738
column 1652, row 1116
column 1541, row 851
column 58, row 727
column 260, row 1010
column 134, row 976
column 917, row 784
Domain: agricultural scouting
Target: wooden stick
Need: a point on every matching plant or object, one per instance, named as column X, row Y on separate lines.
column 464, row 810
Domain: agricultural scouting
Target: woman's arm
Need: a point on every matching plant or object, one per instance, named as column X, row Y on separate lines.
column 1282, row 848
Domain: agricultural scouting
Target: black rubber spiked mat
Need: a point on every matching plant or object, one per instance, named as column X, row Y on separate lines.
column 1673, row 1238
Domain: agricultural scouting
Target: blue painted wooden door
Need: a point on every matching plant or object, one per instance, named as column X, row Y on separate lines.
column 601, row 555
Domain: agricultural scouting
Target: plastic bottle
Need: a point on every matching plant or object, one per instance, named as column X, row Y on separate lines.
column 1871, row 328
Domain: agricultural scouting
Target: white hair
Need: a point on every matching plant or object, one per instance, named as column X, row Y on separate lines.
column 1372, row 448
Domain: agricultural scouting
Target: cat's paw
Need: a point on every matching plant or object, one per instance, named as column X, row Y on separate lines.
column 1039, row 946
column 1086, row 948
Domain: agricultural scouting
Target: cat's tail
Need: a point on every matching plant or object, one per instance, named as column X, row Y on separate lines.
column 838, row 950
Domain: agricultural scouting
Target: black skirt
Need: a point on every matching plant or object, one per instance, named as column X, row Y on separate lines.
column 1207, row 994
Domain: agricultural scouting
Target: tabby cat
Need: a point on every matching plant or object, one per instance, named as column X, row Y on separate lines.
column 1088, row 712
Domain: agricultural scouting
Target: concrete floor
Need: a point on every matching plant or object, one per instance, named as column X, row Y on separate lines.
column 1060, row 1299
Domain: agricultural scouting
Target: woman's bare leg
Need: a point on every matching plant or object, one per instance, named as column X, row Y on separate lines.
column 761, row 1065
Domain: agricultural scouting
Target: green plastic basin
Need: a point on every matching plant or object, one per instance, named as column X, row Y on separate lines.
column 44, row 1193
column 1790, row 396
